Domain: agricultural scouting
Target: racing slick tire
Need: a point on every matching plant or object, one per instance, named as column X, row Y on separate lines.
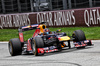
column 14, row 46
column 37, row 43
column 78, row 35
column 81, row 47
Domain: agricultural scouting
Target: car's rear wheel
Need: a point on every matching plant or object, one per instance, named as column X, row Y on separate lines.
column 14, row 46
column 78, row 35
column 37, row 43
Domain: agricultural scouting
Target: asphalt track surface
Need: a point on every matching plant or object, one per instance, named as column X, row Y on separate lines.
column 90, row 56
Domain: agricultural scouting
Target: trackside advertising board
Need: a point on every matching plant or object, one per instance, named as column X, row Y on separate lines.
column 85, row 17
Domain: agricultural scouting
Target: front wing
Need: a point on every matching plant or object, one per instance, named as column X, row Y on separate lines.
column 83, row 43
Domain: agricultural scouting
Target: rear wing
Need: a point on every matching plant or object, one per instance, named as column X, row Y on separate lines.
column 30, row 27
column 39, row 28
column 26, row 28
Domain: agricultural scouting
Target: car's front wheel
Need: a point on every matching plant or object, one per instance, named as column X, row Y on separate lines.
column 37, row 43
column 78, row 35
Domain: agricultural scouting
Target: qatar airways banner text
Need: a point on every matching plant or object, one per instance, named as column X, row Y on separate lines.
column 86, row 17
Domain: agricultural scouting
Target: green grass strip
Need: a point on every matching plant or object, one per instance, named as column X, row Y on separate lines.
column 90, row 32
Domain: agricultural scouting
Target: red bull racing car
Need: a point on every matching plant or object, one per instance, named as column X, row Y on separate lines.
column 44, row 40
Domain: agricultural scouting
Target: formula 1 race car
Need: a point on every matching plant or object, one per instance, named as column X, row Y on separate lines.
column 44, row 40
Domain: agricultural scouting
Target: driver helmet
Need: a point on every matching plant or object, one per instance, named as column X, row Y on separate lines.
column 47, row 31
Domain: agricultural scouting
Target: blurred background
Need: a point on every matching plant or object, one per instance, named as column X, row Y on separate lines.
column 22, row 6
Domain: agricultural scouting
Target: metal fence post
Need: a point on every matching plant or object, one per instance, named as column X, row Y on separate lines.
column 64, row 4
column 31, row 3
column 19, row 6
column 69, row 2
column 37, row 5
column 50, row 5
column 90, row 3
column 3, row 6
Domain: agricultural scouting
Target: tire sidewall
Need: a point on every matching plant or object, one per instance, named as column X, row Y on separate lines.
column 79, row 35
column 38, row 43
column 15, row 46
column 34, row 47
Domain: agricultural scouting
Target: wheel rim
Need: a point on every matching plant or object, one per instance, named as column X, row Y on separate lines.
column 34, row 48
column 10, row 48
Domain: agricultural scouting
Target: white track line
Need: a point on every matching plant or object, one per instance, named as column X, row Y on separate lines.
column 95, row 40
column 3, row 42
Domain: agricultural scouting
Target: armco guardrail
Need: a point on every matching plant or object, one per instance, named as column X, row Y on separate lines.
column 85, row 17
